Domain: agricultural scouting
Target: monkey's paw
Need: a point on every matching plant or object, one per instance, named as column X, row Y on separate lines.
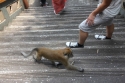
column 57, row 64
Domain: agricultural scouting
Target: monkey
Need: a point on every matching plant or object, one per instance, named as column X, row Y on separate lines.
column 54, row 55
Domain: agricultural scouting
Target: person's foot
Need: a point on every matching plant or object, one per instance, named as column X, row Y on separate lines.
column 59, row 12
column 64, row 7
column 46, row 4
column 101, row 37
column 74, row 45
column 43, row 5
column 56, row 13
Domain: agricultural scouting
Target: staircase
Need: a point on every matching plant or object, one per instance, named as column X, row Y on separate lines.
column 103, row 60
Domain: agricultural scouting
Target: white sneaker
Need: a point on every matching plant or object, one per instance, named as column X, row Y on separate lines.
column 64, row 7
column 100, row 37
column 56, row 13
column 73, row 45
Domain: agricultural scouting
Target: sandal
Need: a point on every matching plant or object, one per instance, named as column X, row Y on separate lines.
column 73, row 45
column 101, row 37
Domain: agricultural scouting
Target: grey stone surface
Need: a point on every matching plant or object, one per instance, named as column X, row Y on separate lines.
column 103, row 61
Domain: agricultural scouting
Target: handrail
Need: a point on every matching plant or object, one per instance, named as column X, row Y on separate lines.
column 9, row 10
column 7, row 3
column 1, row 1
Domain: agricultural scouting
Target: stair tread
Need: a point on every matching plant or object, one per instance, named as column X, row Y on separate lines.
column 39, row 27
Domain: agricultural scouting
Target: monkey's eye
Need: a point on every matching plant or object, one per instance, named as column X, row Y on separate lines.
column 65, row 54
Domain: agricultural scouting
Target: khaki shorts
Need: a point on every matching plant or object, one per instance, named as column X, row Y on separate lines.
column 100, row 19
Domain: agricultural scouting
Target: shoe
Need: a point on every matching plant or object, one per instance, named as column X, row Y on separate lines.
column 73, row 45
column 46, row 4
column 64, row 7
column 43, row 5
column 101, row 37
column 56, row 13
column 59, row 12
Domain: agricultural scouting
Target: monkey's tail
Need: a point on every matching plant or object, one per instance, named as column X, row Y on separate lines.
column 27, row 55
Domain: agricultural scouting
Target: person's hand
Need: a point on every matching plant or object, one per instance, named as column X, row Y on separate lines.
column 90, row 19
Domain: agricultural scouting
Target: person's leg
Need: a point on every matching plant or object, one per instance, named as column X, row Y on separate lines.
column 83, row 34
column 43, row 2
column 84, row 31
column 109, row 30
column 82, row 37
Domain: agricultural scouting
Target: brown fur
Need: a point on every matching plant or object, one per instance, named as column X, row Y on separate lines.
column 59, row 55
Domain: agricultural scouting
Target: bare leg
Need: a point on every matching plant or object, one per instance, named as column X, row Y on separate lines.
column 109, row 30
column 82, row 37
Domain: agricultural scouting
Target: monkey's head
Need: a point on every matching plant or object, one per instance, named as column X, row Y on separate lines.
column 68, row 52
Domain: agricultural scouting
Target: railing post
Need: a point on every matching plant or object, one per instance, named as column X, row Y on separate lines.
column 9, row 14
column 7, row 17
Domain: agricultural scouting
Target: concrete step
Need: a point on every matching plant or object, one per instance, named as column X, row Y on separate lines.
column 93, row 47
column 103, row 60
column 34, row 16
column 56, row 23
column 57, row 32
column 53, row 27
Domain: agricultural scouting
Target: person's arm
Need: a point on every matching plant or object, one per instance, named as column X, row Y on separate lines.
column 103, row 6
